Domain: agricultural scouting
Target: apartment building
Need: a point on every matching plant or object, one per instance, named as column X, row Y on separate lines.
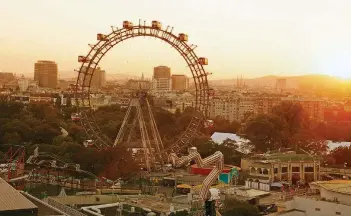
column 45, row 72
column 162, row 81
column 232, row 109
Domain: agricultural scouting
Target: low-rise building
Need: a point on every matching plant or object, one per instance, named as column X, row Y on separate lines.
column 281, row 167
column 330, row 198
column 12, row 202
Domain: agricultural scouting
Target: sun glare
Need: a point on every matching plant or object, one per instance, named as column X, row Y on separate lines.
column 337, row 65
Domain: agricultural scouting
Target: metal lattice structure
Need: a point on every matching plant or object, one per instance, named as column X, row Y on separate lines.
column 148, row 140
column 105, row 42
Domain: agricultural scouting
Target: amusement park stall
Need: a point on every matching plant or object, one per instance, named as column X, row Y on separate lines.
column 226, row 176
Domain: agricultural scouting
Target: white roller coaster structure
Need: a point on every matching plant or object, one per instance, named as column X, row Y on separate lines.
column 217, row 159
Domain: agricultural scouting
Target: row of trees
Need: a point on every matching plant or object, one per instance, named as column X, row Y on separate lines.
column 41, row 126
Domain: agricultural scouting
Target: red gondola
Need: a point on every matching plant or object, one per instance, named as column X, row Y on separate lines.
column 75, row 116
column 102, row 37
column 156, row 25
column 208, row 124
column 203, row 61
column 83, row 59
column 183, row 37
column 127, row 25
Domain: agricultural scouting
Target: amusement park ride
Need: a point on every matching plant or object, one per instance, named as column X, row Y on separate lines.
column 124, row 136
column 150, row 138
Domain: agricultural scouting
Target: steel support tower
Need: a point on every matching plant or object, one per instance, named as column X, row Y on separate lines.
column 139, row 114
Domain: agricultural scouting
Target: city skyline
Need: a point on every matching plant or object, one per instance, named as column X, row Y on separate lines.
column 251, row 38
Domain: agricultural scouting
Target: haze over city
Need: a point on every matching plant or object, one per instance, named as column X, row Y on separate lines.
column 175, row 108
column 250, row 37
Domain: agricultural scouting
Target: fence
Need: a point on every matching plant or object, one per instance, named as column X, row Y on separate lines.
column 257, row 185
column 66, row 209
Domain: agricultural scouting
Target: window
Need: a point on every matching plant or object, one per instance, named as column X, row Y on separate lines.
column 317, row 209
column 338, row 213
column 275, row 170
column 284, row 169
column 309, row 169
column 295, row 169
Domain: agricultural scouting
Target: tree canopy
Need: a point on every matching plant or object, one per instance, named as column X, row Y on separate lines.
column 238, row 208
column 287, row 127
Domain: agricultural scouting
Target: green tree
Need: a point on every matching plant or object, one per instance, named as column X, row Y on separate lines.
column 247, row 115
column 341, row 155
column 264, row 132
column 239, row 208
column 12, row 138
column 287, row 127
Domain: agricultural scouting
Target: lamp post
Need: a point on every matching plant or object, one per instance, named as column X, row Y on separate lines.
column 113, row 184
column 140, row 183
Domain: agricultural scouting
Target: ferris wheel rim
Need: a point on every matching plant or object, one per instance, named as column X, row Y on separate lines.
column 102, row 47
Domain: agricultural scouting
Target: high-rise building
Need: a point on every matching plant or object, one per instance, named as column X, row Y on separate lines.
column 98, row 79
column 45, row 72
column 162, row 72
column 162, row 79
column 180, row 82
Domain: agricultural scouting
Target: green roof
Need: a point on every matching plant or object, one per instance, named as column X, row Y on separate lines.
column 292, row 157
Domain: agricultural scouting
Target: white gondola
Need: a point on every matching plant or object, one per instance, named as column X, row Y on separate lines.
column 183, row 37
column 88, row 143
column 83, row 59
column 156, row 25
column 101, row 37
column 127, row 25
column 208, row 124
column 203, row 61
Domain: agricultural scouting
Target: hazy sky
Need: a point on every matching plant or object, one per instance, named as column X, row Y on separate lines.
column 249, row 37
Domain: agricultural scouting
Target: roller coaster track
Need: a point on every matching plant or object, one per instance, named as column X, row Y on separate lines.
column 217, row 159
column 50, row 161
column 53, row 167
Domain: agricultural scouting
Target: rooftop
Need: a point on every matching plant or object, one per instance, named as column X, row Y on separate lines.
column 339, row 186
column 291, row 156
column 11, row 199
column 284, row 156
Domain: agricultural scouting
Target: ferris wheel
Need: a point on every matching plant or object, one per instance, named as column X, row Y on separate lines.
column 104, row 43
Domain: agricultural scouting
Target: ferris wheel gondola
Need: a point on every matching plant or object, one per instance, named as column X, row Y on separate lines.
column 75, row 116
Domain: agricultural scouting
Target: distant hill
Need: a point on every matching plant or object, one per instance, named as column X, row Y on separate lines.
column 120, row 76
column 291, row 81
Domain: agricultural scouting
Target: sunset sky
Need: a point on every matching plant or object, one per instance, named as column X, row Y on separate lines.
column 249, row 37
